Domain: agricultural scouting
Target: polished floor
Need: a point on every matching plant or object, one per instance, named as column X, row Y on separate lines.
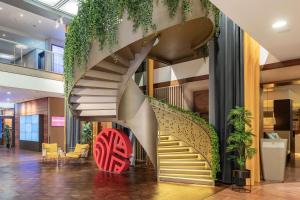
column 24, row 177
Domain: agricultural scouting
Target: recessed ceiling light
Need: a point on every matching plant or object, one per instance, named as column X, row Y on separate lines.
column 3, row 35
column 21, row 46
column 7, row 99
column 40, row 21
column 8, row 92
column 1, row 8
column 279, row 24
column 21, row 15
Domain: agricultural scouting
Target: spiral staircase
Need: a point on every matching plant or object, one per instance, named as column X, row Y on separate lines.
column 105, row 91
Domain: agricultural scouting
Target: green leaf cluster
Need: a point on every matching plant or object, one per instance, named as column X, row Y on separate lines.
column 99, row 19
column 215, row 160
column 211, row 8
column 86, row 133
column 241, row 139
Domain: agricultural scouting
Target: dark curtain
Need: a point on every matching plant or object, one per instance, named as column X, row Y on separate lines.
column 72, row 129
column 226, row 84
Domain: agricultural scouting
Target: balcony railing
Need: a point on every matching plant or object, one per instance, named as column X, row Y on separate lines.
column 15, row 53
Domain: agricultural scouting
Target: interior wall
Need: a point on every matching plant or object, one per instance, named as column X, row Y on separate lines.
column 194, row 68
column 34, row 107
column 56, row 108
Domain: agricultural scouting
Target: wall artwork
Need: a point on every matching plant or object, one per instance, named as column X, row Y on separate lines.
column 112, row 150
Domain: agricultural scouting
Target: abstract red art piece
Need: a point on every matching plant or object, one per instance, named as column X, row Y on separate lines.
column 112, row 150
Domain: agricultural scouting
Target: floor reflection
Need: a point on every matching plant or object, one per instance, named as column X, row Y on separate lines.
column 23, row 176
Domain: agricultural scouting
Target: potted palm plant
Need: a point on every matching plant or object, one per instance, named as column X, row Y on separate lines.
column 240, row 143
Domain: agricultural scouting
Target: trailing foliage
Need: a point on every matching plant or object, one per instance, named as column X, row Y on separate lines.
column 212, row 9
column 172, row 6
column 240, row 140
column 99, row 19
column 215, row 157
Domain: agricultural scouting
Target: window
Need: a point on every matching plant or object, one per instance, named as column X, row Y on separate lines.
column 58, row 59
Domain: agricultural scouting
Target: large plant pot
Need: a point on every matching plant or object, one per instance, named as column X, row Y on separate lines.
column 8, row 146
column 240, row 176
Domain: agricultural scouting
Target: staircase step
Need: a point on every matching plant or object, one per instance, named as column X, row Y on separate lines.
column 92, row 99
column 87, row 113
column 169, row 143
column 194, row 176
column 177, row 156
column 187, row 180
column 182, row 163
column 181, row 159
column 111, row 67
column 94, row 92
column 201, row 167
column 97, row 84
column 93, row 106
column 175, row 149
column 103, row 75
column 184, row 171
column 164, row 137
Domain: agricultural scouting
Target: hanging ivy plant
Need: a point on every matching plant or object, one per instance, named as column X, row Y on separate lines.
column 172, row 6
column 211, row 8
column 99, row 19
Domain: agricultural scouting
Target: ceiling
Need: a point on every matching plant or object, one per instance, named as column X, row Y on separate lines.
column 180, row 43
column 256, row 17
column 15, row 95
column 21, row 22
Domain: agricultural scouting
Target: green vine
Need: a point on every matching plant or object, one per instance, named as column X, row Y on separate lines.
column 100, row 19
column 186, row 6
column 215, row 157
column 172, row 6
column 211, row 8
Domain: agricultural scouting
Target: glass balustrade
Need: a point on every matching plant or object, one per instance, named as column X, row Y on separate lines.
column 14, row 53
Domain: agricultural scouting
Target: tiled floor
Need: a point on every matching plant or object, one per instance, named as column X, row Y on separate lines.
column 24, row 177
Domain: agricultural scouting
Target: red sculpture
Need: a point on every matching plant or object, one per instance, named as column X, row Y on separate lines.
column 112, row 150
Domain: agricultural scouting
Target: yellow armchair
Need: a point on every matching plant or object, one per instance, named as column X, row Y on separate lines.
column 49, row 151
column 81, row 151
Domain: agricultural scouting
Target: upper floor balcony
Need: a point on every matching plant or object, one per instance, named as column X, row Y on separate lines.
column 14, row 53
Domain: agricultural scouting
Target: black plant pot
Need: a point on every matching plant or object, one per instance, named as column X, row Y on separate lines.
column 240, row 176
column 7, row 146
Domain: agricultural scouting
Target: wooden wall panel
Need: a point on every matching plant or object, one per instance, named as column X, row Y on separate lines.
column 56, row 108
column 201, row 103
column 38, row 106
column 252, row 98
